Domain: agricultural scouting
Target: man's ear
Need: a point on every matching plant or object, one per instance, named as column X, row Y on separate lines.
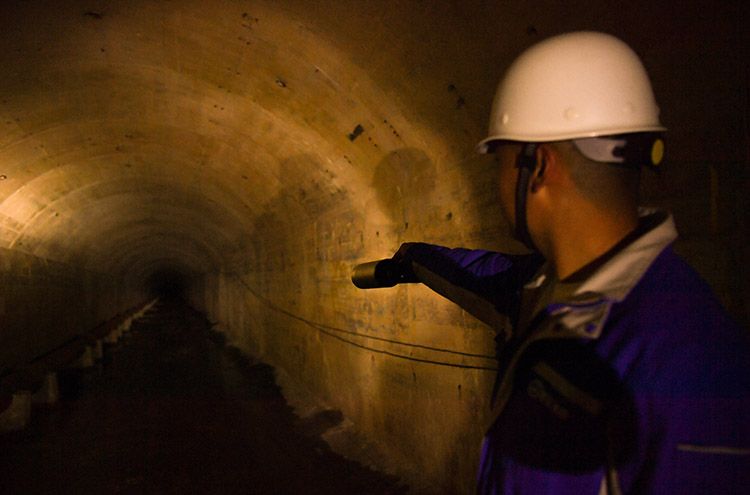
column 545, row 156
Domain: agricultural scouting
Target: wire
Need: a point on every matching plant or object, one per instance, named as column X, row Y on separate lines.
column 321, row 326
column 409, row 358
column 328, row 330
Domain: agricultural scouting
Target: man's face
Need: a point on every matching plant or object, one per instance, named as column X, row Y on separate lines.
column 506, row 155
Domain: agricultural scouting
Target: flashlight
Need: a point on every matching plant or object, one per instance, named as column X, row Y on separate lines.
column 381, row 273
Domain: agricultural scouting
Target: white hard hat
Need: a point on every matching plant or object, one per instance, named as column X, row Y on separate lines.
column 576, row 85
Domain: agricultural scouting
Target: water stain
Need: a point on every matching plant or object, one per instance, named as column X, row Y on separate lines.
column 404, row 181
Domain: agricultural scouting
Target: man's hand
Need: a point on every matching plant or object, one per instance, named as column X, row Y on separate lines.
column 402, row 261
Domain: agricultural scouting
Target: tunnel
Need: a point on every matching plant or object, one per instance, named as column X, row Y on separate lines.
column 243, row 156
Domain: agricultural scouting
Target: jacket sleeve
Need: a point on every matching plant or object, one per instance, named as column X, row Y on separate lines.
column 484, row 283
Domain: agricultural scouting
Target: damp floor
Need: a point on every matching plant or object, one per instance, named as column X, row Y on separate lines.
column 174, row 410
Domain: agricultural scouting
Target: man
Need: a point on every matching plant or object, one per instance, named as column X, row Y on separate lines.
column 622, row 373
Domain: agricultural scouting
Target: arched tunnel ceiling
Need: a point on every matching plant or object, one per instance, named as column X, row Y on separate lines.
column 142, row 133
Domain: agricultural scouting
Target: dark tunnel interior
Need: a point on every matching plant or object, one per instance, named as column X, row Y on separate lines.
column 168, row 284
column 242, row 156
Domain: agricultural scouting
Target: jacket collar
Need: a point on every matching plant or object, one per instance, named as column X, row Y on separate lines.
column 585, row 313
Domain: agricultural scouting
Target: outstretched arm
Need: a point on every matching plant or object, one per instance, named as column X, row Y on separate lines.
column 484, row 283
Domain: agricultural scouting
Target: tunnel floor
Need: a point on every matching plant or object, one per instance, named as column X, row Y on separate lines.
column 174, row 410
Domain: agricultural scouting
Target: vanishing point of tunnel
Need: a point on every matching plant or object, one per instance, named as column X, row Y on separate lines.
column 241, row 156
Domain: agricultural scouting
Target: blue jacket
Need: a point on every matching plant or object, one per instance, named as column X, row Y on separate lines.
column 639, row 383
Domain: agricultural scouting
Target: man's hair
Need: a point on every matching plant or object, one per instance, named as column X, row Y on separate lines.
column 608, row 185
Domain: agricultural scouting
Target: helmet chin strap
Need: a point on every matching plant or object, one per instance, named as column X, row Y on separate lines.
column 526, row 163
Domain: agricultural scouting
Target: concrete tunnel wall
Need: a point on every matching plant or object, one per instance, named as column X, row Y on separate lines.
column 259, row 149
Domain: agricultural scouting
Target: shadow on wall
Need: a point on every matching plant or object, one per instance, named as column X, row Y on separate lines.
column 301, row 312
column 404, row 182
column 281, row 235
column 301, row 243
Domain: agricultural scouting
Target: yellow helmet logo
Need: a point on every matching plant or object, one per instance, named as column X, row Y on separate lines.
column 657, row 152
